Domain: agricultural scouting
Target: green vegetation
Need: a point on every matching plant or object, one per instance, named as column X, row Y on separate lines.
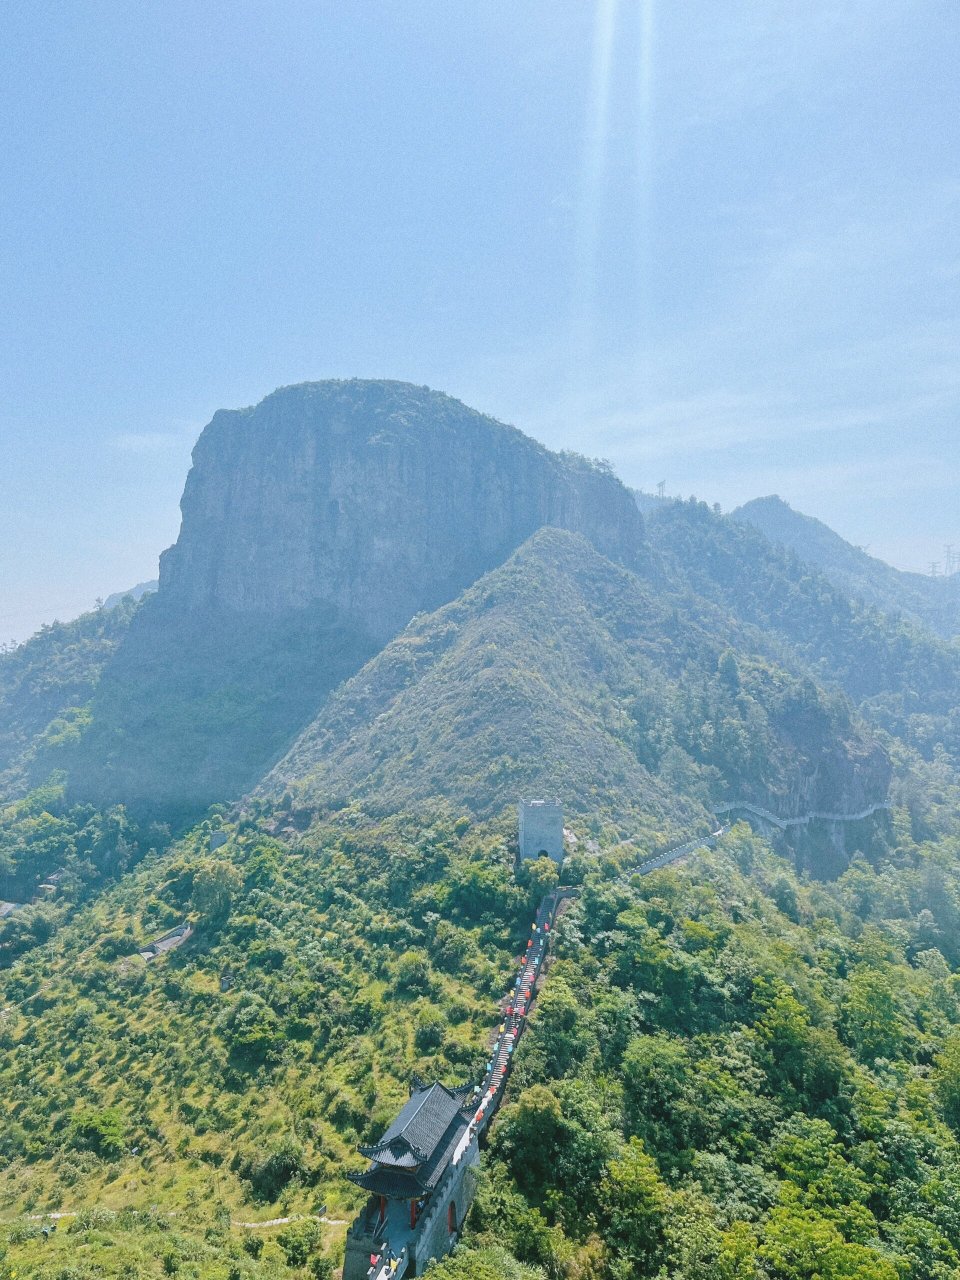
column 192, row 711
column 563, row 673
column 46, row 685
column 902, row 679
column 234, row 1077
column 734, row 1072
column 80, row 847
column 927, row 601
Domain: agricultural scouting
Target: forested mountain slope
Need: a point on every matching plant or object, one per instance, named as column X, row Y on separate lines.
column 730, row 1074
column 734, row 1072
column 562, row 673
column 194, row 706
column 46, row 685
column 932, row 602
column 902, row 677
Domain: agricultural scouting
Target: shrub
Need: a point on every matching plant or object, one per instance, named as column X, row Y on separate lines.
column 100, row 1131
column 269, row 1175
column 299, row 1241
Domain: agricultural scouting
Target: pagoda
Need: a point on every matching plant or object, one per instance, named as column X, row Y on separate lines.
column 419, row 1194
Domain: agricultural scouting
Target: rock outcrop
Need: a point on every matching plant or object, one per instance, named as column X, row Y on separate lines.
column 315, row 526
column 380, row 499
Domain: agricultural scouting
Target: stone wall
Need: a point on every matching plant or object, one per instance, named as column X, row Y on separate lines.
column 459, row 1186
column 541, row 829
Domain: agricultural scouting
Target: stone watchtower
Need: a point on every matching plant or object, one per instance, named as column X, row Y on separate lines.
column 541, row 829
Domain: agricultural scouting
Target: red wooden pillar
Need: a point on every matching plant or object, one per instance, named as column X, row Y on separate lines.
column 383, row 1207
column 413, row 1213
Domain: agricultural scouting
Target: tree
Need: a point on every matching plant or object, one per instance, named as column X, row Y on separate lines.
column 559, row 1029
column 214, row 885
column 412, row 972
column 657, row 1102
column 800, row 1244
column 728, row 670
column 539, row 876
column 872, row 1015
column 98, row 1131
column 299, row 1241
column 252, row 1030
column 635, row 1203
column 947, row 1081
column 556, row 1144
column 807, row 1060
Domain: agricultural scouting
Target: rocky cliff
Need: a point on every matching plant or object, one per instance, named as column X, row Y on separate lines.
column 315, row 526
column 380, row 499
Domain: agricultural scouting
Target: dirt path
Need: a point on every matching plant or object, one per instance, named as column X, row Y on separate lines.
column 58, row 1214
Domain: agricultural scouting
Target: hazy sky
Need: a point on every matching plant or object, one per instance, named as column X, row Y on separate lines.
column 716, row 243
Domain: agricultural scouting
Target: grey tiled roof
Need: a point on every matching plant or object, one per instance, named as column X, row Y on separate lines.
column 411, row 1157
column 424, row 1119
column 398, row 1153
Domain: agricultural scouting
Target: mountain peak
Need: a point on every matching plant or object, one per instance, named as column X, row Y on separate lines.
column 375, row 499
column 930, row 601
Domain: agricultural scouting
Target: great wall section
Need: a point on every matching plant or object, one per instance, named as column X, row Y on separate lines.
column 422, row 1176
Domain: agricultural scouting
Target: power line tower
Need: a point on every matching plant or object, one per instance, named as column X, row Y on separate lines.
column 949, row 564
column 661, row 486
column 934, row 568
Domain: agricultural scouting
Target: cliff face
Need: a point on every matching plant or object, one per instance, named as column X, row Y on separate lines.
column 378, row 498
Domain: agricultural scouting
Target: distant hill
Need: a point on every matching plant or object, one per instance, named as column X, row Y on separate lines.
column 562, row 673
column 318, row 523
column 903, row 677
column 136, row 593
column 374, row 500
column 46, row 685
column 315, row 525
column 935, row 602
column 385, row 619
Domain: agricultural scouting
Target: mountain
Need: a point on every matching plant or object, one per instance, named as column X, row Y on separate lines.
column 374, row 499
column 561, row 673
column 135, row 593
column 933, row 602
column 903, row 678
column 735, row 1068
column 315, row 525
column 46, row 685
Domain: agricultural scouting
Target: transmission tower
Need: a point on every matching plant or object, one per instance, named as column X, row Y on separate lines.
column 661, row 486
column 934, row 568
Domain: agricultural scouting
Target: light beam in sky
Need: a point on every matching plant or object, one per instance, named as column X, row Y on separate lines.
column 594, row 180
column 645, row 174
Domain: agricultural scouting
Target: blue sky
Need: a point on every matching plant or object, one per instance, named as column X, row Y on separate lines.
column 718, row 244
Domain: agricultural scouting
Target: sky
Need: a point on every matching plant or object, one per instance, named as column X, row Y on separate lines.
column 716, row 244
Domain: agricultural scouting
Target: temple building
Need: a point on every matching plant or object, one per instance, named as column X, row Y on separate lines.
column 421, row 1184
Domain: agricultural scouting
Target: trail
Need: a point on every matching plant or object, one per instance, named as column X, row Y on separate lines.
column 57, row 1215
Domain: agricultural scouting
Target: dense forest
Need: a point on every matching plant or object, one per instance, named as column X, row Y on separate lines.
column 733, row 1071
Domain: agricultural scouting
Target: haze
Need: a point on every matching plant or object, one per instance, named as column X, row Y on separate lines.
column 716, row 244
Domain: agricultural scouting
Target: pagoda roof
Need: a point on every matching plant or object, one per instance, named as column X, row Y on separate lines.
column 414, row 1151
column 399, row 1153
